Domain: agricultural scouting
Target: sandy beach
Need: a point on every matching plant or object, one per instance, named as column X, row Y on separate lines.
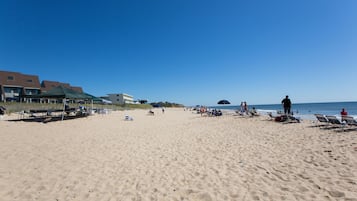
column 175, row 156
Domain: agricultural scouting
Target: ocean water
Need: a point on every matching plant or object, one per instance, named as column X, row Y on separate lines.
column 303, row 110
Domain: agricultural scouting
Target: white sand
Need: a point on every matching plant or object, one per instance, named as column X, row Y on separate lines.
column 175, row 156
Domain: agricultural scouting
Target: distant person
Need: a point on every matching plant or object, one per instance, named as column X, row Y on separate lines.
column 245, row 105
column 343, row 112
column 151, row 112
column 203, row 110
column 242, row 107
column 2, row 110
column 286, row 104
column 254, row 112
column 66, row 107
column 163, row 110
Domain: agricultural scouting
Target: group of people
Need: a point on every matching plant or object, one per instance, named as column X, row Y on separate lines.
column 210, row 112
column 244, row 110
column 215, row 112
column 286, row 102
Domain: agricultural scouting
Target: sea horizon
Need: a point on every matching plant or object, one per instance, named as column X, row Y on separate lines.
column 304, row 110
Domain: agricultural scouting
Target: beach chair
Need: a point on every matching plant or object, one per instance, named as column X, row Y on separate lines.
column 350, row 121
column 335, row 122
column 128, row 118
column 322, row 119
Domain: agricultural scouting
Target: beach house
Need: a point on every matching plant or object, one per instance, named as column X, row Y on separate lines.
column 47, row 85
column 121, row 98
column 14, row 86
column 17, row 87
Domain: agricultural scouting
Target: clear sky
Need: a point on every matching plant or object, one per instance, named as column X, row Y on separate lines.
column 187, row 51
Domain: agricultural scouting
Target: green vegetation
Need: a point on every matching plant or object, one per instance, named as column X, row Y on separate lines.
column 166, row 104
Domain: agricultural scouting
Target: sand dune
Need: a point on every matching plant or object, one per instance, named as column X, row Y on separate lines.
column 178, row 155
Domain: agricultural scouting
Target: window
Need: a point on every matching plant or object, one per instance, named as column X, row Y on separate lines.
column 10, row 77
column 28, row 80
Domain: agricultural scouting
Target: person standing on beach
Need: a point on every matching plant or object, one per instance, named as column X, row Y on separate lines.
column 286, row 104
column 2, row 110
column 245, row 105
column 241, row 107
column 344, row 112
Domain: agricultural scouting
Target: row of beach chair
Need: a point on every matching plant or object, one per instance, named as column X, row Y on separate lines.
column 333, row 122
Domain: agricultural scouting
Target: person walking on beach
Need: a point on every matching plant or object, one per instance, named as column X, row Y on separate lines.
column 286, row 104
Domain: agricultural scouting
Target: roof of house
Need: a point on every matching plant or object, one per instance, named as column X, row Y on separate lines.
column 18, row 79
column 47, row 85
column 62, row 92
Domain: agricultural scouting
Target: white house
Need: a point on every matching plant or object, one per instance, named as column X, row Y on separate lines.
column 121, row 98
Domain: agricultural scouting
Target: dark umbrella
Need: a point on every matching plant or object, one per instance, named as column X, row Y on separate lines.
column 223, row 102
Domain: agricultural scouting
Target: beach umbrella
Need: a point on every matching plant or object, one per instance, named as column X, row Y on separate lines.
column 223, row 102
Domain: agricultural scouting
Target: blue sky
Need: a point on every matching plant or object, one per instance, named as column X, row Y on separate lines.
column 187, row 51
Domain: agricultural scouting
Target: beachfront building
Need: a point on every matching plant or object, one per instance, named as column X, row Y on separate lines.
column 17, row 87
column 47, row 85
column 121, row 98
column 14, row 86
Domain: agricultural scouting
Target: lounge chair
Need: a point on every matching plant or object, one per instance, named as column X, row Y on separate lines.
column 336, row 122
column 128, row 118
column 322, row 119
column 350, row 121
column 333, row 120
